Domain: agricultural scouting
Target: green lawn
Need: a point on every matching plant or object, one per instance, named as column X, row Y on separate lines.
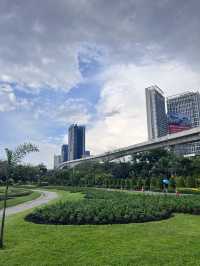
column 175, row 241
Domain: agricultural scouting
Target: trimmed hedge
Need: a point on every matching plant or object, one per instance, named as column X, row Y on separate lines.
column 15, row 192
column 103, row 207
column 189, row 190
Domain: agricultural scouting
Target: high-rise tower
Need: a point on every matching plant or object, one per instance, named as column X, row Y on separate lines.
column 76, row 142
column 188, row 105
column 156, row 113
column 64, row 153
column 57, row 160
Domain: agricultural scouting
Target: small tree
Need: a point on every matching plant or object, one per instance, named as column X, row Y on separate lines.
column 13, row 158
column 180, row 181
column 190, row 182
column 153, row 183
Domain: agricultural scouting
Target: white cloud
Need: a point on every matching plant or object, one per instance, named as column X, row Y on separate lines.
column 121, row 108
column 9, row 101
column 42, row 40
column 45, row 154
column 73, row 110
column 134, row 41
column 19, row 129
column 43, row 73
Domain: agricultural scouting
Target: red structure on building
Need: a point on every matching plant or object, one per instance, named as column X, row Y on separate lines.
column 178, row 122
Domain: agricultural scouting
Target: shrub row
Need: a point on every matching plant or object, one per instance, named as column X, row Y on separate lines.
column 15, row 192
column 96, row 212
column 103, row 207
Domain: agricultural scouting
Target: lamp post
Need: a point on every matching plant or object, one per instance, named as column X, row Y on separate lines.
column 6, row 180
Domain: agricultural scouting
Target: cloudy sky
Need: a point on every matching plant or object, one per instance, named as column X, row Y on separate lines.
column 88, row 62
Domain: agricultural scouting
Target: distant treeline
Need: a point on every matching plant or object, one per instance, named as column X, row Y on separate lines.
column 145, row 169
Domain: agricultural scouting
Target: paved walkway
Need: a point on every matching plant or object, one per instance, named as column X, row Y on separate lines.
column 144, row 192
column 45, row 197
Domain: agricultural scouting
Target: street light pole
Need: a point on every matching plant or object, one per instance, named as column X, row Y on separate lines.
column 4, row 212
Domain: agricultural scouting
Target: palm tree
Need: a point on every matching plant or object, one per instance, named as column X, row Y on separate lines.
column 13, row 158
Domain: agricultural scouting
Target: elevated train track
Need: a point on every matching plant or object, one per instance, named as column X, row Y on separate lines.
column 171, row 140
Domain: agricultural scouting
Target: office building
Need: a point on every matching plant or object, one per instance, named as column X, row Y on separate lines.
column 57, row 160
column 87, row 154
column 76, row 142
column 156, row 112
column 186, row 105
column 64, row 152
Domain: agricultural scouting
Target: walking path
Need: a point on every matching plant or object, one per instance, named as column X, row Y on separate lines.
column 45, row 197
column 144, row 192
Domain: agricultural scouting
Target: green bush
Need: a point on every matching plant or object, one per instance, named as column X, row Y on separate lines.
column 106, row 207
column 95, row 212
column 189, row 190
column 14, row 192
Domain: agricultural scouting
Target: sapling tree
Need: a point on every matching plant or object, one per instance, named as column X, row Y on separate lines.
column 13, row 157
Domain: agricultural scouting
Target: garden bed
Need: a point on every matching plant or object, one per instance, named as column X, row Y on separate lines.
column 106, row 207
column 14, row 192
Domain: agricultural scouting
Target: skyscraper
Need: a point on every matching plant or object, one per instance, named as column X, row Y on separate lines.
column 76, row 142
column 156, row 113
column 186, row 104
column 87, row 154
column 64, row 153
column 57, row 160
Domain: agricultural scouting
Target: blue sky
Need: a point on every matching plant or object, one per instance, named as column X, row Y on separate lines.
column 89, row 62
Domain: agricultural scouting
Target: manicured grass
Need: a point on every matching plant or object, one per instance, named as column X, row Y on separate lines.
column 21, row 199
column 174, row 241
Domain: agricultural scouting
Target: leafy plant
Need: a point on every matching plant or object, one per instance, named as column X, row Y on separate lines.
column 13, row 158
column 105, row 207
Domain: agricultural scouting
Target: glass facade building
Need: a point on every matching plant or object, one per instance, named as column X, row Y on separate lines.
column 76, row 142
column 87, row 154
column 64, row 152
column 187, row 104
column 57, row 160
column 156, row 112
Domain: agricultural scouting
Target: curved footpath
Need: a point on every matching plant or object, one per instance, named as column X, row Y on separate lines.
column 45, row 197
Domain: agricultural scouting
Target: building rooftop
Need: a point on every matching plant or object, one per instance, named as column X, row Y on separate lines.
column 187, row 93
column 155, row 87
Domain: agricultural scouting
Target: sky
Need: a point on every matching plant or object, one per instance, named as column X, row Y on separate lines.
column 89, row 62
